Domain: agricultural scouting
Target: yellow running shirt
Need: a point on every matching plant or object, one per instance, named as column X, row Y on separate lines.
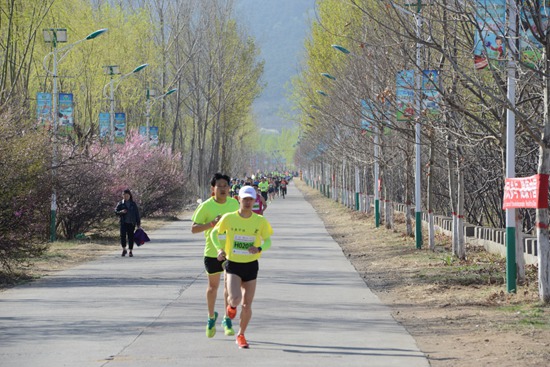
column 206, row 212
column 242, row 233
column 264, row 186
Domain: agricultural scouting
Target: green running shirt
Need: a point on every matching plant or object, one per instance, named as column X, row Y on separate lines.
column 206, row 212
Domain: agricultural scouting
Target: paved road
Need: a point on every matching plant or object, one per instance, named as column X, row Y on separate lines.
column 311, row 307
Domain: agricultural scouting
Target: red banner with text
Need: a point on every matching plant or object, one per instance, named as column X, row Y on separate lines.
column 526, row 192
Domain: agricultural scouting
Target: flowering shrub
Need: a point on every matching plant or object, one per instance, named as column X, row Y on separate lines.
column 153, row 173
column 90, row 182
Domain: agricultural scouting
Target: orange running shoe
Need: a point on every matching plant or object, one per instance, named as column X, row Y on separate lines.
column 231, row 312
column 241, row 342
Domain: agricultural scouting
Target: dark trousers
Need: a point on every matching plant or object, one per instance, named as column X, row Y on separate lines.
column 127, row 231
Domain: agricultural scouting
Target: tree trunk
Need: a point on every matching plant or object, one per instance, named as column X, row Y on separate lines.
column 452, row 190
column 408, row 191
column 389, row 214
column 429, row 190
column 520, row 258
column 460, row 245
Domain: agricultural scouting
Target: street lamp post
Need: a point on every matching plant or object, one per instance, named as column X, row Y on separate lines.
column 511, row 269
column 113, row 70
column 149, row 104
column 418, row 157
column 55, row 36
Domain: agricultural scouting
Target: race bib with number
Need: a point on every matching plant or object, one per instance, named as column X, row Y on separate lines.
column 241, row 244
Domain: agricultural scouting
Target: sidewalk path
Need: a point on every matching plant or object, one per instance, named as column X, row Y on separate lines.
column 311, row 307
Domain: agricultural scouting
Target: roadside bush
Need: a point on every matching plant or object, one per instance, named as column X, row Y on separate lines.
column 84, row 181
column 25, row 190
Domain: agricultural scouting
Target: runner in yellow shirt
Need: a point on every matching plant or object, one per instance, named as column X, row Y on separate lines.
column 204, row 219
column 247, row 236
column 264, row 187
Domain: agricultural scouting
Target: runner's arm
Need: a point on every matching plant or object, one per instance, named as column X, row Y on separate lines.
column 266, row 245
column 215, row 240
column 216, row 243
column 197, row 228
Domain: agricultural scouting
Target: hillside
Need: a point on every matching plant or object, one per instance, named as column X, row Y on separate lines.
column 280, row 27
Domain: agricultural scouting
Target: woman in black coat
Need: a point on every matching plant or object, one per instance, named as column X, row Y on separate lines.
column 128, row 212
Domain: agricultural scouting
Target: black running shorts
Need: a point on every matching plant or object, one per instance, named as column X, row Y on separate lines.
column 245, row 271
column 213, row 265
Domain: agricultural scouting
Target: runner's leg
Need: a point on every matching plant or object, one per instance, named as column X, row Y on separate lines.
column 248, row 290
column 212, row 292
column 234, row 296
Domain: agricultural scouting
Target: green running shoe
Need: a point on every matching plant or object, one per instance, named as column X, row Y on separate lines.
column 211, row 326
column 228, row 326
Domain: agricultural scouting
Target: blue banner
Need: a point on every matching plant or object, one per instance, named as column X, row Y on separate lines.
column 405, row 95
column 489, row 42
column 143, row 130
column 66, row 118
column 530, row 47
column 44, row 109
column 120, row 127
column 153, row 134
column 104, row 125
column 430, row 92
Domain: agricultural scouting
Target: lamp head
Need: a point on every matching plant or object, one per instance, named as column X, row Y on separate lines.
column 341, row 49
column 95, row 34
column 139, row 68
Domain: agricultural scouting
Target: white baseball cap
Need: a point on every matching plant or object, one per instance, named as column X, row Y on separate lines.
column 247, row 192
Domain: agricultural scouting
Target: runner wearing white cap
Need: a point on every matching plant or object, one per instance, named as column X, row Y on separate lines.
column 247, row 236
